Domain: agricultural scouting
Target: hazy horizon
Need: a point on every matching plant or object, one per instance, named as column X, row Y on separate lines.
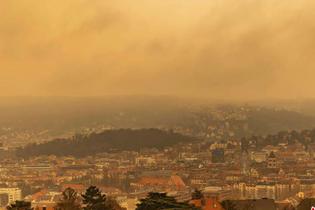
column 242, row 50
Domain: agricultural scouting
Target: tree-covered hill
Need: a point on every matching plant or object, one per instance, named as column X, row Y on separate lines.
column 122, row 139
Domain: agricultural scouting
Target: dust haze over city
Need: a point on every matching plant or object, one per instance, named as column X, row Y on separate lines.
column 157, row 104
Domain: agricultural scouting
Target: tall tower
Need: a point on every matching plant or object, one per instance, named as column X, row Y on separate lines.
column 272, row 161
column 245, row 162
column 244, row 157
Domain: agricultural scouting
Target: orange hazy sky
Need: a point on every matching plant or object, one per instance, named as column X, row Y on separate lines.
column 214, row 48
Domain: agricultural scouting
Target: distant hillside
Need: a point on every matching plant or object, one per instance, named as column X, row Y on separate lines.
column 268, row 121
column 245, row 121
column 123, row 139
column 305, row 137
column 49, row 118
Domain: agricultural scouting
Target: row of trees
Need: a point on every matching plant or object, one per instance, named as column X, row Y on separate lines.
column 92, row 199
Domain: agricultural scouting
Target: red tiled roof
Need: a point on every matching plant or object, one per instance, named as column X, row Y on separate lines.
column 177, row 181
column 39, row 194
column 153, row 181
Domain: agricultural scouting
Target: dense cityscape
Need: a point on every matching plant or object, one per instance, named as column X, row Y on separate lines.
column 276, row 170
column 157, row 105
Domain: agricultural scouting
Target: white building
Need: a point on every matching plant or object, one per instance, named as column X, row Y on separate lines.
column 14, row 194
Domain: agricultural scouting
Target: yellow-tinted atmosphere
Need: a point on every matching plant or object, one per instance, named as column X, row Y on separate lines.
column 242, row 49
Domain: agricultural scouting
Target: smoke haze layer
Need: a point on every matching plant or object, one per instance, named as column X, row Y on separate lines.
column 219, row 48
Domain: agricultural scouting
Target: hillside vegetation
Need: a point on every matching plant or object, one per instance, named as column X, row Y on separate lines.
column 112, row 140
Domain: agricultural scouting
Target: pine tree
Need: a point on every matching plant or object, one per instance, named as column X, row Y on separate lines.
column 93, row 199
column 160, row 201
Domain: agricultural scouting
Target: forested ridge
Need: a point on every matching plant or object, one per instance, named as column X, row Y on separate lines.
column 121, row 139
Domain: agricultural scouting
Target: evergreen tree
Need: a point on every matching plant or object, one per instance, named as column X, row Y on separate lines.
column 93, row 199
column 160, row 201
column 20, row 205
column 69, row 200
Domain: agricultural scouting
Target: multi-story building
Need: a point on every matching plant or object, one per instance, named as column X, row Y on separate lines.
column 13, row 194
